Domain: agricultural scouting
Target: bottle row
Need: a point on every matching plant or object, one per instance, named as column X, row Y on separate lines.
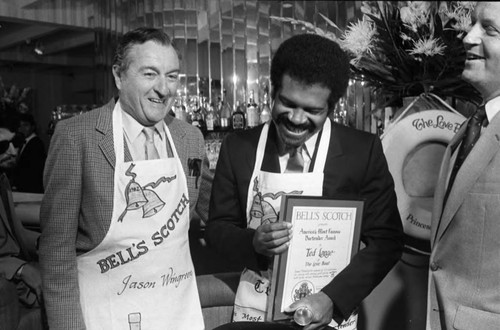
column 219, row 115
column 208, row 115
column 64, row 111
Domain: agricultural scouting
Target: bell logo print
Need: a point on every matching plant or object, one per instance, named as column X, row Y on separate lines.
column 138, row 196
column 262, row 211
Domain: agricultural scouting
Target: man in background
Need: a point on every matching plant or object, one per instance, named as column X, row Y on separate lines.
column 302, row 150
column 464, row 276
column 28, row 173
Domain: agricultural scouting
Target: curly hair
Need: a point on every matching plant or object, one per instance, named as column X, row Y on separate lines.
column 139, row 36
column 312, row 59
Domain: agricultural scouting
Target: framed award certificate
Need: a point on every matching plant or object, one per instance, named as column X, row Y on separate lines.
column 325, row 238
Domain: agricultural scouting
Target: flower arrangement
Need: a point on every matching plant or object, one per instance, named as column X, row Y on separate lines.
column 14, row 99
column 406, row 48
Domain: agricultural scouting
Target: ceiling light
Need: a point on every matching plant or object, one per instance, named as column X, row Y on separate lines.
column 38, row 48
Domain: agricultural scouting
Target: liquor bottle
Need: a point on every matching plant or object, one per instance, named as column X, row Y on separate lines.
column 252, row 111
column 225, row 112
column 179, row 109
column 265, row 113
column 238, row 118
column 191, row 107
column 211, row 118
column 197, row 117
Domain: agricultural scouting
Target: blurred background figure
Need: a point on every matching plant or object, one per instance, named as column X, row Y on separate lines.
column 10, row 142
column 8, row 152
column 28, row 173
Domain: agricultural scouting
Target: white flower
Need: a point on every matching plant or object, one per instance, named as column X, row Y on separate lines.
column 427, row 47
column 468, row 5
column 415, row 14
column 368, row 8
column 461, row 14
column 358, row 39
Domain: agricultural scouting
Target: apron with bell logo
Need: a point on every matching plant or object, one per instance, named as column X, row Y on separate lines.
column 263, row 205
column 141, row 275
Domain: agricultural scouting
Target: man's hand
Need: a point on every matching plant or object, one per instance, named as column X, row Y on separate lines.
column 30, row 275
column 321, row 306
column 272, row 238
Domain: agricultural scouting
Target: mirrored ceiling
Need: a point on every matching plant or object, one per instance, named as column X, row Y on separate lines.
column 225, row 44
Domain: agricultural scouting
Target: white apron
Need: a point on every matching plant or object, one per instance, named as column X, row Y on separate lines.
column 263, row 203
column 141, row 275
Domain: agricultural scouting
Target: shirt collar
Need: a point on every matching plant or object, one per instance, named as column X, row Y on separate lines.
column 492, row 107
column 32, row 135
column 133, row 129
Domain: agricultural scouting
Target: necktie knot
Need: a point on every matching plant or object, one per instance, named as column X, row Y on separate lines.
column 149, row 132
column 150, row 151
column 295, row 162
column 479, row 117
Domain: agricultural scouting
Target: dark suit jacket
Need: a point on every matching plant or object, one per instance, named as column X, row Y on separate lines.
column 77, row 207
column 355, row 167
column 29, row 167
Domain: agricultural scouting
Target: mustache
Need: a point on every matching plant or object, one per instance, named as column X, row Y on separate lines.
column 282, row 119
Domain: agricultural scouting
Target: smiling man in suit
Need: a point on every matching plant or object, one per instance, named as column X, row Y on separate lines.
column 118, row 198
column 464, row 276
column 301, row 149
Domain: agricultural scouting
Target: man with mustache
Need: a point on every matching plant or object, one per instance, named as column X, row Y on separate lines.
column 117, row 203
column 302, row 151
column 464, row 267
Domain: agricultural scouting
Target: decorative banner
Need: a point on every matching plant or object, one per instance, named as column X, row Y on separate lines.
column 325, row 238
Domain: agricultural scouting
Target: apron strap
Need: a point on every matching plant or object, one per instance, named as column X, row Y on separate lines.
column 316, row 145
column 320, row 154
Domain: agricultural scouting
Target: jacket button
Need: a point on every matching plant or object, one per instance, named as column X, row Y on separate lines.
column 434, row 266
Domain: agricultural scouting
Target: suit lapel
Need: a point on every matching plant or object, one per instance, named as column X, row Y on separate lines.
column 442, row 183
column 178, row 136
column 440, row 192
column 335, row 148
column 485, row 149
column 104, row 125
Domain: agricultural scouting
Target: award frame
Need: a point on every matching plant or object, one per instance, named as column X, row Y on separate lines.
column 336, row 218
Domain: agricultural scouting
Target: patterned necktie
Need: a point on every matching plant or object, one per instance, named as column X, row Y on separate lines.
column 471, row 136
column 295, row 162
column 151, row 152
